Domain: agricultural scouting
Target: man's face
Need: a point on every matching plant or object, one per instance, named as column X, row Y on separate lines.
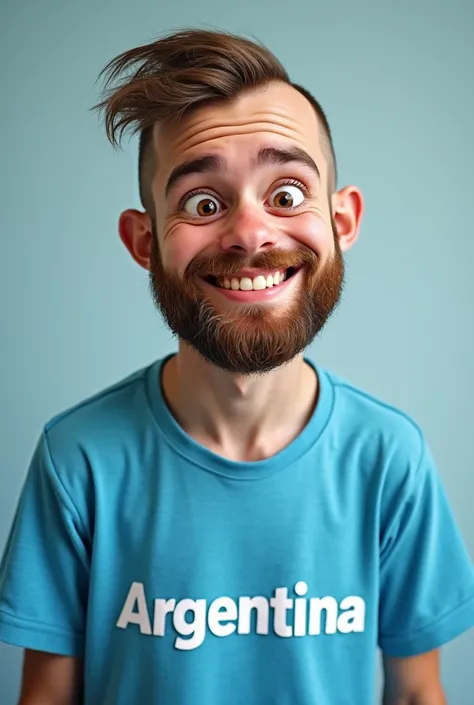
column 245, row 264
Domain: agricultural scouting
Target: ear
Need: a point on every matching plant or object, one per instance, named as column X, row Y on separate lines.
column 136, row 233
column 347, row 209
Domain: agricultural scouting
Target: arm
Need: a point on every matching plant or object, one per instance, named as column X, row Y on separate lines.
column 50, row 679
column 44, row 581
column 426, row 580
column 413, row 681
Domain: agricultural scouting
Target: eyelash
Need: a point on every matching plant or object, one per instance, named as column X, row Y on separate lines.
column 285, row 182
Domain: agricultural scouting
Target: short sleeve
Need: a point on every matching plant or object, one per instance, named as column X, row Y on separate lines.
column 45, row 568
column 426, row 575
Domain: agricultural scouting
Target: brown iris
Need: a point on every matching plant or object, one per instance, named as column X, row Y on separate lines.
column 283, row 199
column 206, row 206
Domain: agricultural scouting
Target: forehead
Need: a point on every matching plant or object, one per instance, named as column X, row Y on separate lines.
column 273, row 115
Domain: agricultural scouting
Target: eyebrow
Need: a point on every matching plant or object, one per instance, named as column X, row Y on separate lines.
column 285, row 155
column 206, row 163
column 215, row 163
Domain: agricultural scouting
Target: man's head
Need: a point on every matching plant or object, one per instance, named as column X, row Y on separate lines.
column 237, row 179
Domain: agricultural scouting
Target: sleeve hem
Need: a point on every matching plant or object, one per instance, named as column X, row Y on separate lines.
column 39, row 637
column 435, row 635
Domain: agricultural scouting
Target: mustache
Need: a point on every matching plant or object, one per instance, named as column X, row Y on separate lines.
column 230, row 263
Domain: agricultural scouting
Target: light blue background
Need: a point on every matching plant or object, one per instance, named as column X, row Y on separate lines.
column 395, row 78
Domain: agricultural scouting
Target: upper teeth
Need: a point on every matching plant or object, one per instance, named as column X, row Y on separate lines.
column 255, row 284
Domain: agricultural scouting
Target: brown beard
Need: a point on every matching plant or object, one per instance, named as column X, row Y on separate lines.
column 249, row 338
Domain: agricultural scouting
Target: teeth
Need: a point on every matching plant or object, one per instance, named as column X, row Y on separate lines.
column 246, row 284
column 257, row 284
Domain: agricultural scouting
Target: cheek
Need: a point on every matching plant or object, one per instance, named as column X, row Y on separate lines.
column 180, row 245
column 312, row 230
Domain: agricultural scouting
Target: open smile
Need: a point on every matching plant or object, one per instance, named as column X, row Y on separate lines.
column 253, row 286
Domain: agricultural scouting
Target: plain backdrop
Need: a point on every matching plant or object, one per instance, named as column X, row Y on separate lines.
column 395, row 77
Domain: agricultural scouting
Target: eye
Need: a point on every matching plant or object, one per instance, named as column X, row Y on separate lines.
column 287, row 196
column 202, row 205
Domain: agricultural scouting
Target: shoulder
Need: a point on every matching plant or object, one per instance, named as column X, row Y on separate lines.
column 96, row 414
column 385, row 448
column 372, row 422
column 94, row 434
column 380, row 445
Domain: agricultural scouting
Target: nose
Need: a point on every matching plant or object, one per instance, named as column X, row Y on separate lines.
column 248, row 232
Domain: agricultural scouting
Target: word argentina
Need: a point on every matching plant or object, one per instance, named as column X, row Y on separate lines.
column 224, row 616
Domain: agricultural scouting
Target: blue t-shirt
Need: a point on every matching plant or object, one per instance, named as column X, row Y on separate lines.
column 184, row 578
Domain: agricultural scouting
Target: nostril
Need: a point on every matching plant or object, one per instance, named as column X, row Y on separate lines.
column 243, row 248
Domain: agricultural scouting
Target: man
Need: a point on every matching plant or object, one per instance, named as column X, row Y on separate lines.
column 232, row 524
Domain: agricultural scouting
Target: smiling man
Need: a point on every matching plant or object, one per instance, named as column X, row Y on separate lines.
column 232, row 524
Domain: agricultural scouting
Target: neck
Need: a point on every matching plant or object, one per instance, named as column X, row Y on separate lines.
column 241, row 417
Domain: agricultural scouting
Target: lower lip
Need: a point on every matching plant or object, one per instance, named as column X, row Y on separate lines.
column 253, row 296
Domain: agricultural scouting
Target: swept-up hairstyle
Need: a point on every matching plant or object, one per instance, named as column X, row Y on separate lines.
column 167, row 78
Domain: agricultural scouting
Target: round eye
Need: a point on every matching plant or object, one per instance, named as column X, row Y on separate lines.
column 202, row 205
column 287, row 196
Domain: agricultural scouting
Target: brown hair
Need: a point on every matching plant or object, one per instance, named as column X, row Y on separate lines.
column 179, row 72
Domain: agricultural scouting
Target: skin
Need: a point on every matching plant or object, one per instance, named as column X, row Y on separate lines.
column 241, row 417
column 413, row 681
column 50, row 679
